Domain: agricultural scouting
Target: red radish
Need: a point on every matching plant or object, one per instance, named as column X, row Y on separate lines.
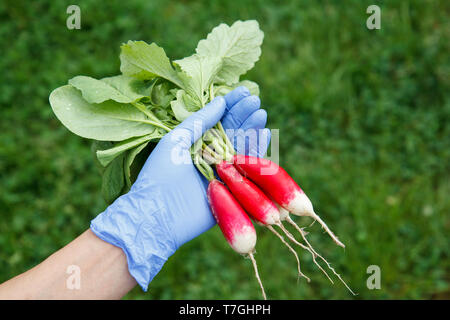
column 234, row 222
column 254, row 201
column 262, row 209
column 277, row 183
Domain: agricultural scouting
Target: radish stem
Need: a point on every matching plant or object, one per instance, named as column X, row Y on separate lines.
column 208, row 157
column 203, row 167
column 225, row 137
column 153, row 119
column 217, row 157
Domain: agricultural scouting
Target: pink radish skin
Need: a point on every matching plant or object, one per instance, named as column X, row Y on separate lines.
column 252, row 199
column 280, row 186
column 236, row 226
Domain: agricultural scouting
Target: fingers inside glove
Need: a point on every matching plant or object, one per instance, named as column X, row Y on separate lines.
column 234, row 118
column 257, row 120
column 235, row 96
column 253, row 142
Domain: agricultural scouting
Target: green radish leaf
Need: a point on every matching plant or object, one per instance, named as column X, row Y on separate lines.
column 179, row 108
column 239, row 47
column 139, row 160
column 119, row 88
column 106, row 156
column 107, row 121
column 118, row 112
column 130, row 87
column 129, row 158
column 97, row 146
column 162, row 95
column 191, row 103
column 163, row 114
column 184, row 105
column 197, row 74
column 113, row 180
column 224, row 89
column 146, row 61
column 250, row 85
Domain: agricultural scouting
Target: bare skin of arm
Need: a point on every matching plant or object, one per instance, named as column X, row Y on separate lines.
column 103, row 273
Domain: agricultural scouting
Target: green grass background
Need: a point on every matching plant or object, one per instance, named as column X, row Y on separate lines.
column 364, row 119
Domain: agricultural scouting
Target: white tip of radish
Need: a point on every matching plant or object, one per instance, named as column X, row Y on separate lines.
column 300, row 205
column 284, row 214
column 244, row 241
column 272, row 216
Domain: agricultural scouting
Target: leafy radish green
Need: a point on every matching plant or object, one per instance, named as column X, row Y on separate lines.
column 238, row 46
column 113, row 180
column 183, row 106
column 121, row 89
column 197, row 74
column 146, row 61
column 129, row 159
column 106, row 156
column 106, row 121
column 112, row 175
column 161, row 94
column 250, row 85
column 152, row 95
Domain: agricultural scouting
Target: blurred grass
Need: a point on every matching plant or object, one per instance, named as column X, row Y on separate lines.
column 364, row 126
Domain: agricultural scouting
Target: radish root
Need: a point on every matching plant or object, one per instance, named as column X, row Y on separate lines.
column 255, row 267
column 300, row 273
column 331, row 234
column 311, row 249
column 314, row 255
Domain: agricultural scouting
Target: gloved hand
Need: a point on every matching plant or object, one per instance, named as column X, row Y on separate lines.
column 167, row 205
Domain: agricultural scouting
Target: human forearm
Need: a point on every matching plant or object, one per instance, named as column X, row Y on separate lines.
column 103, row 273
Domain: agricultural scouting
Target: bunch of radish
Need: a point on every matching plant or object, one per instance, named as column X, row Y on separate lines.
column 258, row 189
column 123, row 114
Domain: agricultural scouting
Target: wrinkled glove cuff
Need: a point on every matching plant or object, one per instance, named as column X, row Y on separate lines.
column 136, row 223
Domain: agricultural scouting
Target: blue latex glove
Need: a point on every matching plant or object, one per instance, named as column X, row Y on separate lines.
column 167, row 205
